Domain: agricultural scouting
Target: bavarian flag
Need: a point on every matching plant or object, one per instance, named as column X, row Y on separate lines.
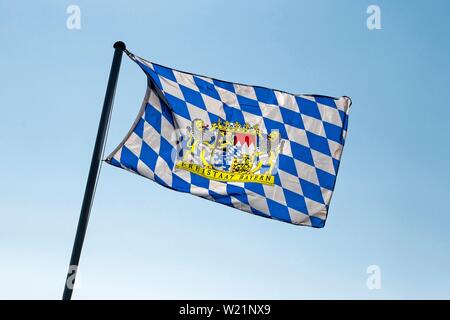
column 260, row 150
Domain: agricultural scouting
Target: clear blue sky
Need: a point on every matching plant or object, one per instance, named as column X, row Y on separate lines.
column 390, row 206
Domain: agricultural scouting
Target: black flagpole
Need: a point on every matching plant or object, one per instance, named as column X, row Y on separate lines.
column 119, row 47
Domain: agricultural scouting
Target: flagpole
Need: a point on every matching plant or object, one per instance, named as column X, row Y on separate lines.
column 119, row 48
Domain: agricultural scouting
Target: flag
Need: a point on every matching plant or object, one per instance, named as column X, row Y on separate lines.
column 259, row 150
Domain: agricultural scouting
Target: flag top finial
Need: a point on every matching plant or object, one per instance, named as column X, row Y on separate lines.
column 120, row 45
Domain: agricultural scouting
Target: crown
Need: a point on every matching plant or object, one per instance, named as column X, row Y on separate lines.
column 236, row 127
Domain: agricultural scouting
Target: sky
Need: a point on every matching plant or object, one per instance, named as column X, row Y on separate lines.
column 390, row 205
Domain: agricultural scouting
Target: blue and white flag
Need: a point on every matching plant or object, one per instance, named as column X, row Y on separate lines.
column 260, row 150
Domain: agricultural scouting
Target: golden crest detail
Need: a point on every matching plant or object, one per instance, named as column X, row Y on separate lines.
column 226, row 151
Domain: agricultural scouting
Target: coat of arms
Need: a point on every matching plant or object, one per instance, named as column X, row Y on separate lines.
column 228, row 151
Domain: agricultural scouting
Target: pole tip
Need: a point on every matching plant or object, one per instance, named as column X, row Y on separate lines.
column 120, row 45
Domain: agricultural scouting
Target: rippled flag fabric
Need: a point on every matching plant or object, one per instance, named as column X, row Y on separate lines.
column 259, row 150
